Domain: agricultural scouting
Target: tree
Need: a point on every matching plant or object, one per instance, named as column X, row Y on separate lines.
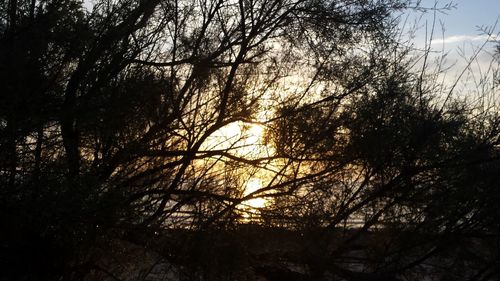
column 394, row 158
column 113, row 117
column 106, row 111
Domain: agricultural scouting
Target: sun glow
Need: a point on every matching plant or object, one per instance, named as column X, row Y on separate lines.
column 239, row 139
column 253, row 185
column 242, row 140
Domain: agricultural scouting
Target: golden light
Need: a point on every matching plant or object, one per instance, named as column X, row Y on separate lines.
column 244, row 140
column 252, row 185
column 238, row 138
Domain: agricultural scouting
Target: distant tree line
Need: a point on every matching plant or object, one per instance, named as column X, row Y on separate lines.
column 108, row 111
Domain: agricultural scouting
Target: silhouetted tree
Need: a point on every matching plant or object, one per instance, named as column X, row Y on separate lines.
column 112, row 119
column 392, row 157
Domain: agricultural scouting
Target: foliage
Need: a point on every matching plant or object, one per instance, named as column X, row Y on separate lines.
column 114, row 121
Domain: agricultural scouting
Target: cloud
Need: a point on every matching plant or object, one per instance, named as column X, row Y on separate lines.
column 465, row 38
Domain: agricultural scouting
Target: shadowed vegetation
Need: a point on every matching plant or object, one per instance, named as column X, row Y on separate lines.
column 114, row 141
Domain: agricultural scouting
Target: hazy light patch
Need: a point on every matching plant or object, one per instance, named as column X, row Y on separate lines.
column 245, row 140
column 253, row 185
column 462, row 64
column 240, row 139
column 88, row 5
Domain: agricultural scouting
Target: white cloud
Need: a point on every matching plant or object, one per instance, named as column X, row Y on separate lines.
column 464, row 38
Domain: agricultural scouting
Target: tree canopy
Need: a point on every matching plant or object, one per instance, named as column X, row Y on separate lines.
column 125, row 117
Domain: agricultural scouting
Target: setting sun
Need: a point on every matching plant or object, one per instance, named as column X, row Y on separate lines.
column 253, row 185
column 239, row 139
column 243, row 140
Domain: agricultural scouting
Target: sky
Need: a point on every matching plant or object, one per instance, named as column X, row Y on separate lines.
column 462, row 28
column 464, row 32
column 468, row 15
column 462, row 23
column 463, row 20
